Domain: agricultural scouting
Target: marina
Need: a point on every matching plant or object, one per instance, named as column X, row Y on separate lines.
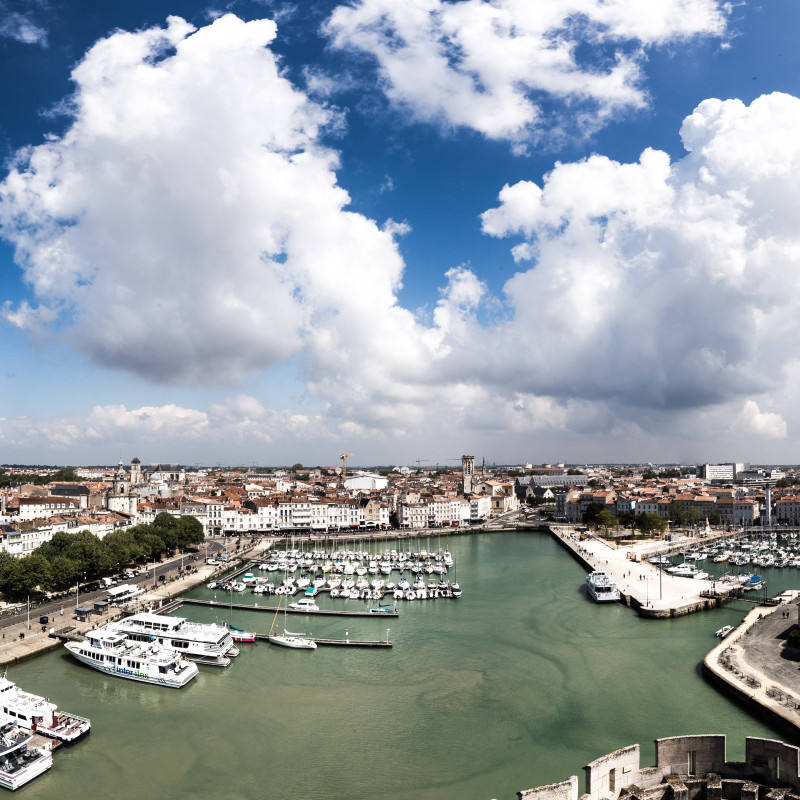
column 501, row 677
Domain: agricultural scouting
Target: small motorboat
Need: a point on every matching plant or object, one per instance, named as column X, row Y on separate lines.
column 724, row 631
column 241, row 635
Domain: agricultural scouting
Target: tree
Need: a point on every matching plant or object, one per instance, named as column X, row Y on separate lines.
column 605, row 519
column 297, row 467
column 34, row 574
column 574, row 471
column 189, row 530
column 649, row 523
column 64, row 571
column 592, row 512
column 86, row 550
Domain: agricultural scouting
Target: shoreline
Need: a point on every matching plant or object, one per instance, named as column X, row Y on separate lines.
column 14, row 649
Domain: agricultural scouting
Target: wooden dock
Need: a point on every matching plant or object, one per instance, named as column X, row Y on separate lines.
column 263, row 637
column 323, row 612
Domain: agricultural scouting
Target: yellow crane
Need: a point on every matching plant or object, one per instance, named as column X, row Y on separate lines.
column 344, row 457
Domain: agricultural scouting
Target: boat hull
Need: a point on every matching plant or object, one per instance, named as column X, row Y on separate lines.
column 602, row 588
column 295, row 642
column 13, row 779
column 174, row 680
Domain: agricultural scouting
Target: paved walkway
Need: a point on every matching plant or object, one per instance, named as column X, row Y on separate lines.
column 19, row 642
column 653, row 592
column 754, row 661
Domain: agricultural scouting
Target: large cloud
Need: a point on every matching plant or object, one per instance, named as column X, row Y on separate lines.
column 495, row 65
column 661, row 286
column 188, row 225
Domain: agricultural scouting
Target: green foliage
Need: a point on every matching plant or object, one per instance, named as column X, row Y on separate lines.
column 68, row 557
column 651, row 523
column 63, row 475
column 574, row 471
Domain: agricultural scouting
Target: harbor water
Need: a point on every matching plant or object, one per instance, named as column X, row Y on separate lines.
column 518, row 683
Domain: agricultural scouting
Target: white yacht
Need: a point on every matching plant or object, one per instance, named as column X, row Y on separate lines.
column 687, row 571
column 298, row 641
column 205, row 643
column 33, row 713
column 18, row 763
column 113, row 652
column 601, row 587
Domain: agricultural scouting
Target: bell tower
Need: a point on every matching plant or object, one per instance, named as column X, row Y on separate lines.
column 467, row 471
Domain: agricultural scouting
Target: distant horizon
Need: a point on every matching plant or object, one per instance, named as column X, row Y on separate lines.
column 435, row 467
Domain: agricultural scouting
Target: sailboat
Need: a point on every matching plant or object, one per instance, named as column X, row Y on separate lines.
column 298, row 641
column 455, row 588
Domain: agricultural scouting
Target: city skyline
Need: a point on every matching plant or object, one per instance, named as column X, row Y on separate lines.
column 556, row 232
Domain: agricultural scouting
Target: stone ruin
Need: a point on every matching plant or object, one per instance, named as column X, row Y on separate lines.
column 687, row 768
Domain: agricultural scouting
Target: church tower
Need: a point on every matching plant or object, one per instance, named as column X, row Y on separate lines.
column 467, row 471
column 136, row 472
column 121, row 484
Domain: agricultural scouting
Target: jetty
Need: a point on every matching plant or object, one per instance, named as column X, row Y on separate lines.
column 323, row 612
column 264, row 637
column 643, row 586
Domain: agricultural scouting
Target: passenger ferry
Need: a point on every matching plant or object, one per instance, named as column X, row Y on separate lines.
column 204, row 643
column 601, row 587
column 18, row 763
column 113, row 652
column 35, row 714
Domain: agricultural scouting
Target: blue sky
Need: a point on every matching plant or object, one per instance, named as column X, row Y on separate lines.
column 552, row 230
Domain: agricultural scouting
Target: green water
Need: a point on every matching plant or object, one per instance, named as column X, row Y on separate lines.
column 519, row 683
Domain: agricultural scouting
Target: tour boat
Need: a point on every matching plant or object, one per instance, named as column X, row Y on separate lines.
column 33, row 713
column 111, row 651
column 601, row 587
column 20, row 764
column 205, row 643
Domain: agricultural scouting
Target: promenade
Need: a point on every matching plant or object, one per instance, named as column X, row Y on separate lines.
column 645, row 587
column 19, row 642
column 755, row 663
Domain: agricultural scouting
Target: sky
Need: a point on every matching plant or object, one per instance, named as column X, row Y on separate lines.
column 262, row 232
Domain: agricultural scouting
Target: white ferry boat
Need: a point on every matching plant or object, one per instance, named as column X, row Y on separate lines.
column 601, row 587
column 20, row 764
column 204, row 643
column 35, row 714
column 111, row 651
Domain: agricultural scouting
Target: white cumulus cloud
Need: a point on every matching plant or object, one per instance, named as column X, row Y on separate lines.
column 188, row 225
column 492, row 65
column 659, row 286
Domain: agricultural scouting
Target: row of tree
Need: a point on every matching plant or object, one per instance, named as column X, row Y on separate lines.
column 71, row 557
column 63, row 475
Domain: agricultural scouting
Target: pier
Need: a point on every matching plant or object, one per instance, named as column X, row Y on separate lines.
column 643, row 586
column 323, row 612
column 264, row 637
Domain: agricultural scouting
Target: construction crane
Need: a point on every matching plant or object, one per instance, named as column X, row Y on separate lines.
column 344, row 457
column 419, row 460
